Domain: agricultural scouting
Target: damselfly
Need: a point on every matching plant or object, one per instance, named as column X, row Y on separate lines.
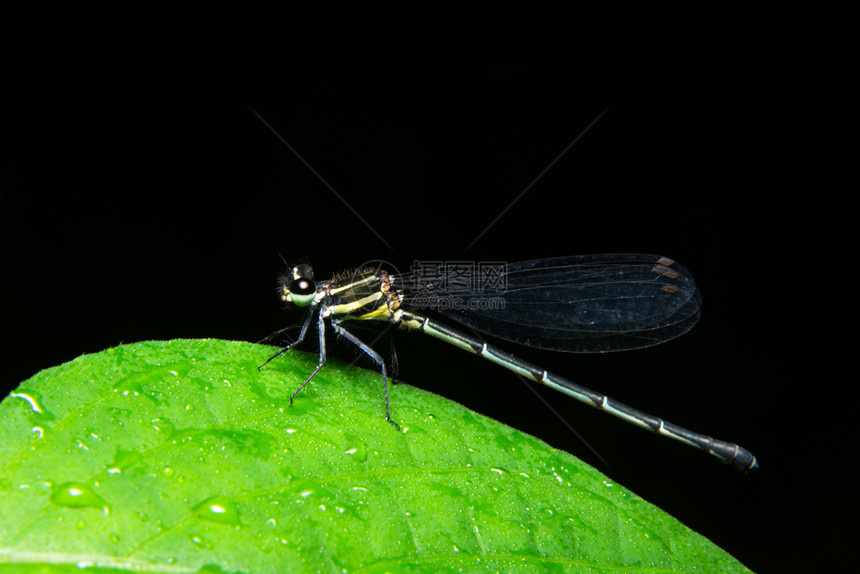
column 579, row 304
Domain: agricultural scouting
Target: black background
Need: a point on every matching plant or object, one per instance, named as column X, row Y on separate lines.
column 142, row 199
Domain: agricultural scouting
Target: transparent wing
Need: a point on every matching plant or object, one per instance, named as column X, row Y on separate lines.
column 579, row 304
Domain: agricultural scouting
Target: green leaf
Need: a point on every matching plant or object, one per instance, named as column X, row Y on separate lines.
column 181, row 456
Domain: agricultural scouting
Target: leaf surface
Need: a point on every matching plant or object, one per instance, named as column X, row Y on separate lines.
column 181, row 456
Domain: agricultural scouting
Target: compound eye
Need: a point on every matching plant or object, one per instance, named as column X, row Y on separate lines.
column 302, row 286
column 302, row 291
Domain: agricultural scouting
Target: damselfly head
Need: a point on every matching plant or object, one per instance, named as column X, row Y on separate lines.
column 298, row 287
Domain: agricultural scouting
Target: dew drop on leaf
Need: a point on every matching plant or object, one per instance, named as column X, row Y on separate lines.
column 357, row 452
column 217, row 509
column 34, row 399
column 123, row 460
column 77, row 495
column 201, row 542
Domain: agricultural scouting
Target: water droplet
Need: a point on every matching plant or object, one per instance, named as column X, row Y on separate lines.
column 163, row 425
column 201, row 542
column 217, row 509
column 77, row 495
column 114, row 538
column 129, row 388
column 357, row 452
column 123, row 460
column 302, row 489
column 34, row 399
column 168, row 472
